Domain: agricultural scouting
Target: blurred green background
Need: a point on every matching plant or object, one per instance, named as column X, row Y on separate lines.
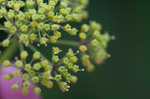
column 118, row 77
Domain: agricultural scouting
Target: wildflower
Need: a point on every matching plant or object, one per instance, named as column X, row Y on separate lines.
column 54, row 24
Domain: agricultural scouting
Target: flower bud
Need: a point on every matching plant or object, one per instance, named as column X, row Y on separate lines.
column 19, row 64
column 25, row 91
column 37, row 66
column 27, row 67
column 82, row 36
column 15, row 86
column 35, row 79
column 55, row 58
column 37, row 91
column 24, row 55
column 6, row 63
column 5, row 43
column 83, row 48
column 36, row 55
column 25, row 76
column 73, row 79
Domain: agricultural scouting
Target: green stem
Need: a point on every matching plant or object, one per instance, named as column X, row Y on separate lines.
column 8, row 54
column 3, row 29
column 66, row 42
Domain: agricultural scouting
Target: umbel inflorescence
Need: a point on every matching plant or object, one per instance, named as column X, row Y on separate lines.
column 34, row 24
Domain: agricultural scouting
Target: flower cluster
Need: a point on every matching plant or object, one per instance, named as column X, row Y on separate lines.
column 37, row 23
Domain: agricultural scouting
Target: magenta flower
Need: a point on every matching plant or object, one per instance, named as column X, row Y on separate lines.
column 5, row 86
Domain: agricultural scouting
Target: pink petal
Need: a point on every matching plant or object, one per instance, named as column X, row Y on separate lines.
column 5, row 86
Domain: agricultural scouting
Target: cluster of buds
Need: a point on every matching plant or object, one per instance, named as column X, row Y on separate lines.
column 37, row 23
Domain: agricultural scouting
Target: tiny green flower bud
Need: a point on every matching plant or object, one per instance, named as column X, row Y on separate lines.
column 44, row 63
column 69, row 66
column 85, row 60
column 73, row 59
column 82, row 36
column 41, row 10
column 95, row 26
column 33, row 24
column 24, row 28
column 55, row 27
column 83, row 48
column 27, row 15
column 18, row 23
column 19, row 64
column 65, row 60
column 5, row 43
column 56, row 50
column 24, row 55
column 68, row 76
column 63, row 86
column 55, row 58
column 94, row 44
column 73, row 79
column 3, row 12
column 46, row 75
column 91, row 68
column 39, row 2
column 70, row 53
column 51, row 15
column 35, row 79
column 24, row 91
column 26, row 84
column 35, row 17
column 13, row 29
column 68, row 17
column 84, row 28
column 32, row 37
column 11, row 14
column 37, row 66
column 37, row 91
column 16, row 7
column 6, row 63
column 8, row 24
column 36, row 55
column 67, row 27
column 29, row 3
column 43, row 40
column 96, row 35
column 61, row 69
column 15, row 86
column 41, row 26
column 57, row 34
column 20, row 16
column 24, row 38
column 32, row 73
column 53, row 39
column 75, row 68
column 21, row 3
column 27, row 67
column 25, row 76
column 100, row 56
column 7, row 77
column 58, row 77
column 46, row 27
column 63, row 4
column 48, row 84
column 73, row 31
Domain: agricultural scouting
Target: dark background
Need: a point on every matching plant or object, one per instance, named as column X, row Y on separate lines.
column 123, row 75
